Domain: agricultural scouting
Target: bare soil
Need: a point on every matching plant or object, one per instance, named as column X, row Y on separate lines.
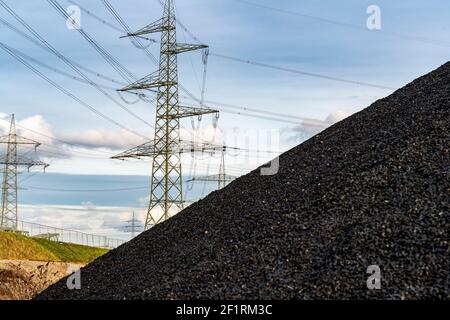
column 22, row 279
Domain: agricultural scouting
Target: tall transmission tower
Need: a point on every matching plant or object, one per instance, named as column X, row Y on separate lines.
column 222, row 178
column 134, row 226
column 11, row 162
column 166, row 194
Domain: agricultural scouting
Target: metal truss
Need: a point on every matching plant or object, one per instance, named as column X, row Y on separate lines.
column 166, row 148
column 12, row 161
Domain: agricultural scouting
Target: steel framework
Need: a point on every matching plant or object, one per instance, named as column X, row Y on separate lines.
column 11, row 162
column 222, row 178
column 134, row 226
column 166, row 147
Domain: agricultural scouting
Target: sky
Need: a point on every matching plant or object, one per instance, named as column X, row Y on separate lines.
column 321, row 37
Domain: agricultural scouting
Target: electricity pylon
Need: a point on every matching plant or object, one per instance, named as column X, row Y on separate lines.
column 134, row 226
column 222, row 178
column 166, row 147
column 11, row 162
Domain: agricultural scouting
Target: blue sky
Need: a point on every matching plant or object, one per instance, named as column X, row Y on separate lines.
column 240, row 30
column 231, row 27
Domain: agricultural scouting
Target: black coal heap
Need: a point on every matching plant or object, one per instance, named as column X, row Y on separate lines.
column 371, row 190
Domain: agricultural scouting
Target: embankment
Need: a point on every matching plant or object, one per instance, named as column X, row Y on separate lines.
column 29, row 265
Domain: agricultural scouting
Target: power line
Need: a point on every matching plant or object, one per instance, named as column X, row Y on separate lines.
column 121, row 70
column 127, row 30
column 95, row 73
column 191, row 96
column 97, row 17
column 279, row 68
column 66, row 92
column 87, row 155
column 125, row 73
column 51, row 137
column 81, row 155
column 109, row 154
column 39, row 44
column 192, row 65
column 87, row 190
column 265, row 117
column 136, row 39
column 64, row 59
column 290, row 70
column 348, row 25
column 68, row 75
column 269, row 115
column 63, row 73
column 305, row 73
column 148, row 53
column 112, row 26
column 239, row 113
column 27, row 178
column 97, row 155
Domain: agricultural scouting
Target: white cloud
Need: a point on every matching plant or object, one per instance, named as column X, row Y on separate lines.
column 86, row 218
column 101, row 138
column 123, row 139
column 34, row 127
column 313, row 127
column 336, row 116
column 68, row 145
column 38, row 129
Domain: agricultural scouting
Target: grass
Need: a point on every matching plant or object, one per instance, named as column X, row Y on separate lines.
column 18, row 247
column 71, row 252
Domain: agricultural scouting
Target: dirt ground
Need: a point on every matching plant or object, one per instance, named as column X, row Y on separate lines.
column 21, row 280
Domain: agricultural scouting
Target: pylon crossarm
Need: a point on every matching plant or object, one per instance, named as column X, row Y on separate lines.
column 152, row 149
column 146, row 83
column 22, row 161
column 157, row 26
column 184, row 47
column 18, row 140
column 216, row 148
column 142, row 151
column 186, row 112
column 214, row 178
column 191, row 147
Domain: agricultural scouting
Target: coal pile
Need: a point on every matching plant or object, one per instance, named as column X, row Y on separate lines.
column 371, row 190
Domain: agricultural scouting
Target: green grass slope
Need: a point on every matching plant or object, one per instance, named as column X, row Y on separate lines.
column 19, row 247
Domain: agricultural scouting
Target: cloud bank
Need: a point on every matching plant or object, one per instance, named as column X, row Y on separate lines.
column 310, row 128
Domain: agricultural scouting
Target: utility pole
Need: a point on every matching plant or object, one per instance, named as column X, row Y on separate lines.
column 166, row 196
column 222, row 178
column 11, row 162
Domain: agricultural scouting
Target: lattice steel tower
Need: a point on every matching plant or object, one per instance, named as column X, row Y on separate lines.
column 12, row 161
column 166, row 181
column 222, row 178
column 134, row 226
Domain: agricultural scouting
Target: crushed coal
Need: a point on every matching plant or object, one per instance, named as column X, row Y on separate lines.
column 372, row 190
